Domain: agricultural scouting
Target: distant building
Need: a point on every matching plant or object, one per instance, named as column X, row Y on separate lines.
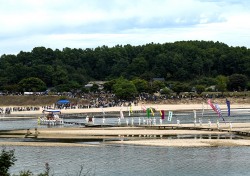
column 88, row 85
column 99, row 83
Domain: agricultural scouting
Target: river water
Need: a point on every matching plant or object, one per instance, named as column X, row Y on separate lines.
column 135, row 160
column 103, row 159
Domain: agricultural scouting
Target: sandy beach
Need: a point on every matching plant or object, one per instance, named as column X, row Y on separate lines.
column 133, row 135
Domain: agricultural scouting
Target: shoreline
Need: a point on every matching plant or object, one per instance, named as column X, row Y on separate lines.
column 157, row 107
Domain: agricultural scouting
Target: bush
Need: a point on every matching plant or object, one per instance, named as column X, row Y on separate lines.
column 7, row 159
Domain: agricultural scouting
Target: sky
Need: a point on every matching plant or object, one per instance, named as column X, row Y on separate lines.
column 57, row 24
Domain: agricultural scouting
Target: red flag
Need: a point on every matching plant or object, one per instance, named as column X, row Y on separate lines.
column 212, row 106
column 162, row 114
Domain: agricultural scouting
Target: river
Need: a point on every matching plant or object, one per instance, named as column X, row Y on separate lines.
column 112, row 160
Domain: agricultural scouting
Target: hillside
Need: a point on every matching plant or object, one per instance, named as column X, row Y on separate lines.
column 192, row 62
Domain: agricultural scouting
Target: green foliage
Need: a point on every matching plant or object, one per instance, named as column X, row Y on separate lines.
column 179, row 87
column 206, row 81
column 26, row 173
column 124, row 89
column 108, row 86
column 248, row 86
column 7, row 159
column 32, row 84
column 237, row 82
column 195, row 62
column 94, row 88
column 166, row 91
column 222, row 82
column 141, row 85
column 200, row 89
column 157, row 86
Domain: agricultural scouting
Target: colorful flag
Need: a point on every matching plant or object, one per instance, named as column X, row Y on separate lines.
column 219, row 111
column 148, row 112
column 170, row 114
column 143, row 107
column 162, row 114
column 131, row 109
column 152, row 112
column 121, row 114
column 211, row 104
column 228, row 107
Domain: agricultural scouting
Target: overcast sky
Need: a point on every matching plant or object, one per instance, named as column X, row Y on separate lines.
column 56, row 24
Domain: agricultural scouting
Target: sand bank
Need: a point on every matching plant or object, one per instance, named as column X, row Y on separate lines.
column 129, row 136
column 186, row 142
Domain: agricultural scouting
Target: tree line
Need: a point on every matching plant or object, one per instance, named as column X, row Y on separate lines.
column 184, row 64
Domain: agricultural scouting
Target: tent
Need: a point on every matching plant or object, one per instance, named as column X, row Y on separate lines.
column 62, row 102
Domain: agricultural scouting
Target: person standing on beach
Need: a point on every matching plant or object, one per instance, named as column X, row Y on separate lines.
column 87, row 119
column 231, row 126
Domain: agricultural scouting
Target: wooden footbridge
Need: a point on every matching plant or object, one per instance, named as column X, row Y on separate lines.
column 242, row 129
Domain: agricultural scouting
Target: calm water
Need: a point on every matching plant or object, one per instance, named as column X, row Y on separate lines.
column 134, row 160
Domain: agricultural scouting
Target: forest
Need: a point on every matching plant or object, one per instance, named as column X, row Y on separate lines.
column 193, row 63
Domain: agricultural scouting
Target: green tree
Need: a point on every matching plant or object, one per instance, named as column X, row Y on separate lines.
column 138, row 66
column 200, row 88
column 32, row 84
column 237, row 82
column 222, row 82
column 94, row 88
column 179, row 87
column 166, row 91
column 141, row 85
column 108, row 86
column 157, row 86
column 124, row 89
column 7, row 159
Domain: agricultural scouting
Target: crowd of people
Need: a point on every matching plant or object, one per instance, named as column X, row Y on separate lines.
column 8, row 110
column 106, row 99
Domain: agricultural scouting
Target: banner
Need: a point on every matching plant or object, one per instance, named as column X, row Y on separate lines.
column 194, row 114
column 219, row 111
column 121, row 114
column 170, row 114
column 211, row 104
column 152, row 112
column 228, row 107
column 148, row 112
column 216, row 108
column 162, row 114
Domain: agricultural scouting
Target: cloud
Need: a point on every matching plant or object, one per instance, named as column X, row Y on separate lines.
column 82, row 23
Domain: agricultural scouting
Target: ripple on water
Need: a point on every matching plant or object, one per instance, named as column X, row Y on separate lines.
column 135, row 160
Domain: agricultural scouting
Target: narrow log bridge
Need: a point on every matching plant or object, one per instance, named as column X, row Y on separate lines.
column 242, row 129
